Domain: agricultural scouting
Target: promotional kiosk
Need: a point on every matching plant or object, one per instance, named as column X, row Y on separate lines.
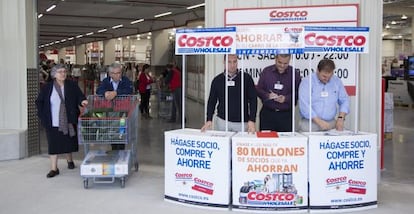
column 342, row 164
column 197, row 164
column 269, row 169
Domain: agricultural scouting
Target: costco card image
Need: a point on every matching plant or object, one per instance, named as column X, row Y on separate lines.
column 197, row 167
column 205, row 41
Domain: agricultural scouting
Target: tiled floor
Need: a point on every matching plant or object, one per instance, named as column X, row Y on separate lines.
column 25, row 189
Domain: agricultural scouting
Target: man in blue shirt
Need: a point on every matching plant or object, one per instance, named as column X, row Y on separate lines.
column 328, row 97
column 114, row 85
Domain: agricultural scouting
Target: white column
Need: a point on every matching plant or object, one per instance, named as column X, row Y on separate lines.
column 109, row 51
column 412, row 35
column 18, row 39
column 61, row 54
column 160, row 45
column 80, row 54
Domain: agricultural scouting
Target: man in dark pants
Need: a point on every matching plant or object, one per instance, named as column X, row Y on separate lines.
column 114, row 85
column 275, row 90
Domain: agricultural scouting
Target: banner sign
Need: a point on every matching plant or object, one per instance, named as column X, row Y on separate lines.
column 341, row 15
column 337, row 39
column 197, row 167
column 342, row 171
column 269, row 174
column 205, row 41
column 275, row 40
column 291, row 15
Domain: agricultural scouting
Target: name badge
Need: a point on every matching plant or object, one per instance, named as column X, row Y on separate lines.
column 278, row 86
column 231, row 83
column 324, row 94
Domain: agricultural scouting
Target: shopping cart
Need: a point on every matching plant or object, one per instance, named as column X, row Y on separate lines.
column 164, row 103
column 108, row 122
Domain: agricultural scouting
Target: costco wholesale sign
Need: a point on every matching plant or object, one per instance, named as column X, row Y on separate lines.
column 342, row 171
column 321, row 15
column 197, row 167
column 270, row 174
column 337, row 39
column 205, row 41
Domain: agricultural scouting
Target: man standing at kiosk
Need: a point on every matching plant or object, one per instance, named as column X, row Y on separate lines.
column 275, row 90
column 328, row 92
column 217, row 94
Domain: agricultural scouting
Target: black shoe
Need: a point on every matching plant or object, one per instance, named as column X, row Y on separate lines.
column 71, row 165
column 52, row 173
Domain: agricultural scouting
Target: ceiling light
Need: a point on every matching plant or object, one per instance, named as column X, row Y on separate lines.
column 137, row 21
column 387, row 26
column 148, row 37
column 117, row 26
column 199, row 26
column 138, row 38
column 127, row 37
column 57, row 41
column 162, row 14
column 195, row 6
column 40, row 16
column 79, row 36
column 71, row 38
column 393, row 22
column 149, row 33
column 51, row 8
column 404, row 17
column 399, row 36
column 88, row 34
column 102, row 30
column 63, row 40
column 119, row 38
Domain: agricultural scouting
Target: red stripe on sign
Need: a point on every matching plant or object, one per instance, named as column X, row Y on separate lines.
column 351, row 90
column 202, row 189
column 356, row 190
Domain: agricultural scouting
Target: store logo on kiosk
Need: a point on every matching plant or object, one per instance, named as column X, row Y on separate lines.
column 184, row 178
column 204, row 44
column 288, row 15
column 335, row 40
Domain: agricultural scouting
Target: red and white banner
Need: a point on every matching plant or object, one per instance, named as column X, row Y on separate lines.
column 337, row 39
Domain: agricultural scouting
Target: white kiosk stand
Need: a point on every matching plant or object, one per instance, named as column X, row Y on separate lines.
column 270, row 169
column 342, row 165
column 197, row 165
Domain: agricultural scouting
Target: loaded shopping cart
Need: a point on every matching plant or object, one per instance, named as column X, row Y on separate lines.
column 109, row 122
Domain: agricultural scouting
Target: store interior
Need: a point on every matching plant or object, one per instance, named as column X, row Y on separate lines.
column 82, row 33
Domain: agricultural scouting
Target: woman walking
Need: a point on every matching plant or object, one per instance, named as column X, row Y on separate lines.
column 58, row 109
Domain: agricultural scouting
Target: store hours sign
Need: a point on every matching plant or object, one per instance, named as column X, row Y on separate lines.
column 321, row 15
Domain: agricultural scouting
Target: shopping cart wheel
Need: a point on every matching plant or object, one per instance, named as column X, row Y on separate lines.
column 122, row 182
column 85, row 183
column 136, row 166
